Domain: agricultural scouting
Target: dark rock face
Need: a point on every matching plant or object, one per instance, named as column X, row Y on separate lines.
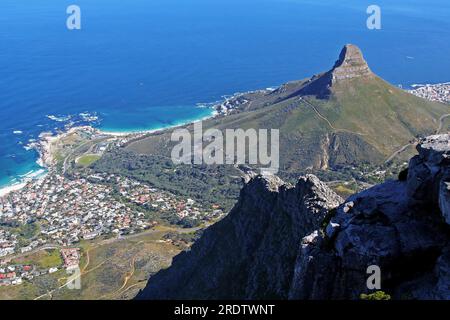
column 288, row 242
column 249, row 254
column 399, row 226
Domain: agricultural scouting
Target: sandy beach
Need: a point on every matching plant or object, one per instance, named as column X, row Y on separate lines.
column 5, row 191
column 150, row 131
column 47, row 140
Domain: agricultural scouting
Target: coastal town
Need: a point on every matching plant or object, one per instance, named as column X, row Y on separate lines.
column 65, row 211
column 15, row 273
column 57, row 213
column 433, row 92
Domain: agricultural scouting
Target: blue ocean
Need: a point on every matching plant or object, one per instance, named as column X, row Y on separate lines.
column 147, row 64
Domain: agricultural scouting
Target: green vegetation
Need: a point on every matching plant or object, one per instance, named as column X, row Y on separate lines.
column 25, row 291
column 379, row 295
column 208, row 184
column 344, row 191
column 43, row 259
column 183, row 238
column 362, row 122
column 388, row 116
column 87, row 160
column 50, row 258
column 28, row 231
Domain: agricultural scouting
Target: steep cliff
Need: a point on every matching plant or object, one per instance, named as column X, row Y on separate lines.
column 251, row 252
column 282, row 241
column 399, row 226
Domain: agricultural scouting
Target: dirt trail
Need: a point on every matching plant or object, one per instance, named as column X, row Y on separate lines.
column 328, row 121
column 414, row 142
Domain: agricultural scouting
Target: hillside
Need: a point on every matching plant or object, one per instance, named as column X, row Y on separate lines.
column 346, row 116
column 341, row 125
column 304, row 242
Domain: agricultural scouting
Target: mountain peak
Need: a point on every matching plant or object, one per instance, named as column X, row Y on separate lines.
column 351, row 64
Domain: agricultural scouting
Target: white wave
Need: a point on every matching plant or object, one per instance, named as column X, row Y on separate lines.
column 59, row 119
column 88, row 117
column 26, row 174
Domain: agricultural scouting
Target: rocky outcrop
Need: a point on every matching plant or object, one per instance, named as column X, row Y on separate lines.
column 429, row 174
column 250, row 253
column 350, row 65
column 281, row 241
column 400, row 226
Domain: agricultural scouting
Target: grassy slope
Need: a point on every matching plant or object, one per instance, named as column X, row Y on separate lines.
column 389, row 116
column 87, row 160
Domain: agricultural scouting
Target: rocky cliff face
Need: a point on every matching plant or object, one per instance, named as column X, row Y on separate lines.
column 251, row 252
column 282, row 242
column 399, row 226
column 351, row 64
